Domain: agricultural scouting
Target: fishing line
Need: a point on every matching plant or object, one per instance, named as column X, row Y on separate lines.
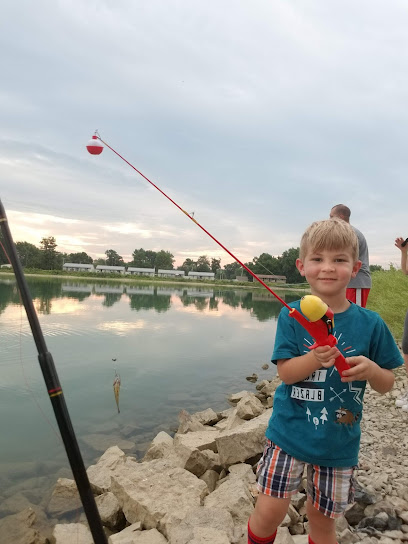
column 320, row 320
column 190, row 216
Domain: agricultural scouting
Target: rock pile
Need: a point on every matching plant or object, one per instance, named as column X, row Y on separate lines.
column 199, row 486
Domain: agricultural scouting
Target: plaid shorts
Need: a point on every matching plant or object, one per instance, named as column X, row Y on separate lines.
column 330, row 489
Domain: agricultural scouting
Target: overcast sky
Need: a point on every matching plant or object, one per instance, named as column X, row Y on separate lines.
column 258, row 116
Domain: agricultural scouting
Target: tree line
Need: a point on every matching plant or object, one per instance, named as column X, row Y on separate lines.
column 46, row 257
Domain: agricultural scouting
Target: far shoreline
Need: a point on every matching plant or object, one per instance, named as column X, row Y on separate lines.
column 124, row 279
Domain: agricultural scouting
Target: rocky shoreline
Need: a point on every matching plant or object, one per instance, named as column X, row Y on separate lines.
column 199, row 486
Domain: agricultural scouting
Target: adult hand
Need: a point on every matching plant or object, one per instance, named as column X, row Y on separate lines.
column 398, row 243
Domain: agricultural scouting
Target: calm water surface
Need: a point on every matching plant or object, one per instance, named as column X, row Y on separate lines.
column 175, row 347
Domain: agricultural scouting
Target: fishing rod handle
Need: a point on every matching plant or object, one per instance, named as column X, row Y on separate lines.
column 319, row 332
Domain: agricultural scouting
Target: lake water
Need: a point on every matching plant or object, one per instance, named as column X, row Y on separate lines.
column 185, row 347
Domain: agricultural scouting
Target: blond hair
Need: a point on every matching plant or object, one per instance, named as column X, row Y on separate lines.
column 332, row 235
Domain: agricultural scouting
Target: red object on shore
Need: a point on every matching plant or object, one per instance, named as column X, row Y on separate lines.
column 94, row 146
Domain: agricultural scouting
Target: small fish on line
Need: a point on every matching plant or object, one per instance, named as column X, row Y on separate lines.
column 116, row 389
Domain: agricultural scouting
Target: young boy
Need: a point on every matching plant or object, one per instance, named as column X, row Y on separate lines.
column 316, row 412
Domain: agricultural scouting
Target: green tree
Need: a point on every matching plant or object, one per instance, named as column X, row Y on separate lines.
column 203, row 264
column 3, row 257
column 288, row 265
column 113, row 258
column 49, row 255
column 143, row 258
column 80, row 258
column 266, row 264
column 150, row 258
column 164, row 260
column 161, row 303
column 111, row 299
column 188, row 266
column 215, row 265
column 232, row 270
column 375, row 267
column 29, row 255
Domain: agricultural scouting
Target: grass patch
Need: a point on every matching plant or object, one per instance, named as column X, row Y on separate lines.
column 389, row 298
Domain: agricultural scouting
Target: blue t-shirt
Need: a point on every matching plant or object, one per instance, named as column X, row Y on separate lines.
column 318, row 420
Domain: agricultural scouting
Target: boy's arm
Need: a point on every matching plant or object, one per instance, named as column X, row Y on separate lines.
column 299, row 368
column 363, row 368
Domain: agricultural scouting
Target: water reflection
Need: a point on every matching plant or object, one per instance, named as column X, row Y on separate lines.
column 260, row 303
column 181, row 347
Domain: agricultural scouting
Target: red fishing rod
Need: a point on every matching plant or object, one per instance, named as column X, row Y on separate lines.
column 320, row 324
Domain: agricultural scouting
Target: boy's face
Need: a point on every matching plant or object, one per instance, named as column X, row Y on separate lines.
column 328, row 272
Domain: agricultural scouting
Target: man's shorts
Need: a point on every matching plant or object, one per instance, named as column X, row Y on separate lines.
column 330, row 489
column 405, row 336
column 358, row 296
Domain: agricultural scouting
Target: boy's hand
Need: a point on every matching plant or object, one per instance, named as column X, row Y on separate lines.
column 361, row 369
column 326, row 355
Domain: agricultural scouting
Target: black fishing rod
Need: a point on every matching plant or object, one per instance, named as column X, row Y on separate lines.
column 54, row 390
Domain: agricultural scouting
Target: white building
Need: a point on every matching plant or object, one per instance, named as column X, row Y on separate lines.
column 170, row 273
column 201, row 275
column 78, row 267
column 140, row 290
column 110, row 269
column 272, row 278
column 104, row 289
column 199, row 293
column 140, row 271
column 76, row 288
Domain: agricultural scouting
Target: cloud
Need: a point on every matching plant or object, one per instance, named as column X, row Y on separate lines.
column 258, row 117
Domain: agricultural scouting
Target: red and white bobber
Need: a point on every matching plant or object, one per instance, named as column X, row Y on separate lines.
column 94, row 146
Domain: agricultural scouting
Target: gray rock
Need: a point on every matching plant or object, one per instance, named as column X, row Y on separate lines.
column 160, row 447
column 100, row 474
column 240, row 444
column 64, row 499
column 236, row 397
column 157, row 493
column 110, row 511
column 249, row 407
column 189, row 423
column 207, row 417
column 210, row 477
column 133, row 535
column 232, row 495
column 68, row 533
column 21, row 529
column 219, row 522
column 373, row 522
column 347, row 537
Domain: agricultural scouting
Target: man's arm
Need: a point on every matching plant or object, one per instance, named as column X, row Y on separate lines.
column 398, row 244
